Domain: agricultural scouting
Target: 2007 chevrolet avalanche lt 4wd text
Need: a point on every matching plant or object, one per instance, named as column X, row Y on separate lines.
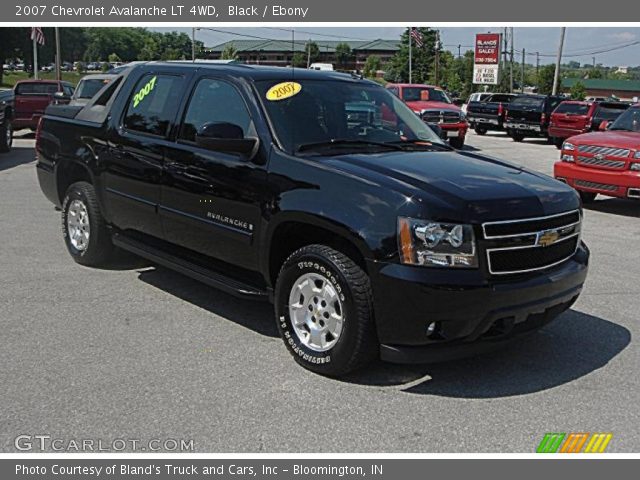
column 322, row 192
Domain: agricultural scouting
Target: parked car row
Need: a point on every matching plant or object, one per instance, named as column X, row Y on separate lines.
column 23, row 106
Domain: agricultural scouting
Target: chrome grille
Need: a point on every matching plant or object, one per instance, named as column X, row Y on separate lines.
column 595, row 150
column 530, row 244
column 440, row 116
column 600, row 162
column 596, row 186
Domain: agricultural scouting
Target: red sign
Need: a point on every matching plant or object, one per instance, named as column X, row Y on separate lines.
column 487, row 49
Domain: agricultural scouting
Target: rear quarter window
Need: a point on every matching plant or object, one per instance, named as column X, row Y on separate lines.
column 153, row 104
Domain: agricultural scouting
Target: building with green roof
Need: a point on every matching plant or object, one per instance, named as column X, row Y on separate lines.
column 628, row 90
column 280, row 52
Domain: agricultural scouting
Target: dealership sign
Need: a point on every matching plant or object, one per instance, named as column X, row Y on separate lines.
column 486, row 63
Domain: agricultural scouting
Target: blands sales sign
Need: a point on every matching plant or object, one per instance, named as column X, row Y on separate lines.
column 487, row 58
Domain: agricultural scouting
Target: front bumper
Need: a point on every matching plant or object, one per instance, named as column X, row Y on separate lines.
column 473, row 312
column 454, row 129
column 614, row 183
column 529, row 129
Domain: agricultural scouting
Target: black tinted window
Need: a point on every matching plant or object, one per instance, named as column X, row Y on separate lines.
column 501, row 98
column 88, row 88
column 153, row 105
column 36, row 88
column 529, row 102
column 572, row 108
column 610, row 112
column 214, row 101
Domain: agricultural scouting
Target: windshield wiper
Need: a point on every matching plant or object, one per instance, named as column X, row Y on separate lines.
column 343, row 142
column 425, row 144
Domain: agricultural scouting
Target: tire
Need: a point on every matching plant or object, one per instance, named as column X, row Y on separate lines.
column 84, row 230
column 480, row 130
column 558, row 142
column 587, row 197
column 345, row 293
column 517, row 137
column 457, row 142
column 551, row 140
column 6, row 137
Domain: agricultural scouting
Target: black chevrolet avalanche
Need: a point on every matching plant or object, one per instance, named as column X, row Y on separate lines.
column 320, row 192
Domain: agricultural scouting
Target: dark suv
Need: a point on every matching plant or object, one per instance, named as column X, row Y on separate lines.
column 529, row 116
column 323, row 193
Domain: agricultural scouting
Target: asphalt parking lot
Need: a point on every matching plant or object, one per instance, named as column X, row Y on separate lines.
column 141, row 352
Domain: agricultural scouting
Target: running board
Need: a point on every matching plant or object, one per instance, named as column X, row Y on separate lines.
column 204, row 275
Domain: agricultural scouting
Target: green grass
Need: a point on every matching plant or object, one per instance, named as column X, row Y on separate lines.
column 9, row 79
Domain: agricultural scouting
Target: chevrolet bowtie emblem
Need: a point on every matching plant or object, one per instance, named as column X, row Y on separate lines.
column 547, row 237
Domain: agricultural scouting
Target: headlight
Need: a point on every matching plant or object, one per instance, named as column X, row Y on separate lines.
column 568, row 146
column 635, row 166
column 566, row 157
column 637, row 154
column 435, row 244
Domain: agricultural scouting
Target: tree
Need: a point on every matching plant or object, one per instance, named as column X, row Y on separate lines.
column 371, row 66
column 113, row 58
column 12, row 42
column 422, row 58
column 312, row 52
column 594, row 73
column 299, row 59
column 578, row 92
column 229, row 52
column 545, row 79
column 343, row 54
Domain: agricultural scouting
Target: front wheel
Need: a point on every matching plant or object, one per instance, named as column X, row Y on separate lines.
column 480, row 130
column 457, row 142
column 558, row 142
column 85, row 232
column 6, row 136
column 324, row 312
column 517, row 137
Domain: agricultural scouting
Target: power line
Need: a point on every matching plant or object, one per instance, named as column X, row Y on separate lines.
column 317, row 34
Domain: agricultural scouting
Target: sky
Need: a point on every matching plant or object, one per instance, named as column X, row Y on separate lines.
column 580, row 42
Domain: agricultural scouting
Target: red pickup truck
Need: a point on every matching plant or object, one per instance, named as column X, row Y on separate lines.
column 434, row 106
column 605, row 162
column 31, row 99
column 575, row 117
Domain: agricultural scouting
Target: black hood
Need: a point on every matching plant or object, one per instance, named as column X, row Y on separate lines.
column 467, row 185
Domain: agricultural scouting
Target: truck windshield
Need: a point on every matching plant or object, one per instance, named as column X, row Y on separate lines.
column 628, row 121
column 414, row 94
column 309, row 115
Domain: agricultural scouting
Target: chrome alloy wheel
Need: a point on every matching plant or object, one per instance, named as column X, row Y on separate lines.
column 78, row 225
column 316, row 312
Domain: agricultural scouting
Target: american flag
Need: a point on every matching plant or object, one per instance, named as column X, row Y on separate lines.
column 37, row 35
column 417, row 37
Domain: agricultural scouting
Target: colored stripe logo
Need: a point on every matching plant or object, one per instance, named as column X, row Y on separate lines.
column 574, row 443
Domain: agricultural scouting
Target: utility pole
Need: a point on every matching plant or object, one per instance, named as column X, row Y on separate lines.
column 437, row 57
column 594, row 61
column 459, row 47
column 58, row 59
column 511, row 62
column 522, row 73
column 193, row 44
column 410, row 54
column 538, row 69
column 308, row 54
column 504, row 59
column 556, row 75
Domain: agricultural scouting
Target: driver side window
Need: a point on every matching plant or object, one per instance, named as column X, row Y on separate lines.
column 214, row 101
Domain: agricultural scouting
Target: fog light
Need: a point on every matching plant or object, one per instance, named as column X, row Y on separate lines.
column 566, row 158
column 432, row 329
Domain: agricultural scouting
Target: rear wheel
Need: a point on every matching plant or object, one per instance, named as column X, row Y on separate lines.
column 480, row 130
column 517, row 137
column 587, row 197
column 6, row 136
column 85, row 232
column 558, row 142
column 324, row 312
column 457, row 142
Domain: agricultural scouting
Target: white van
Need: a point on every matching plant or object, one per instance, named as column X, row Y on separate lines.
column 321, row 66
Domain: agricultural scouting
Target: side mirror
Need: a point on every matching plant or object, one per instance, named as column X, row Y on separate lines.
column 61, row 97
column 226, row 137
column 604, row 125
